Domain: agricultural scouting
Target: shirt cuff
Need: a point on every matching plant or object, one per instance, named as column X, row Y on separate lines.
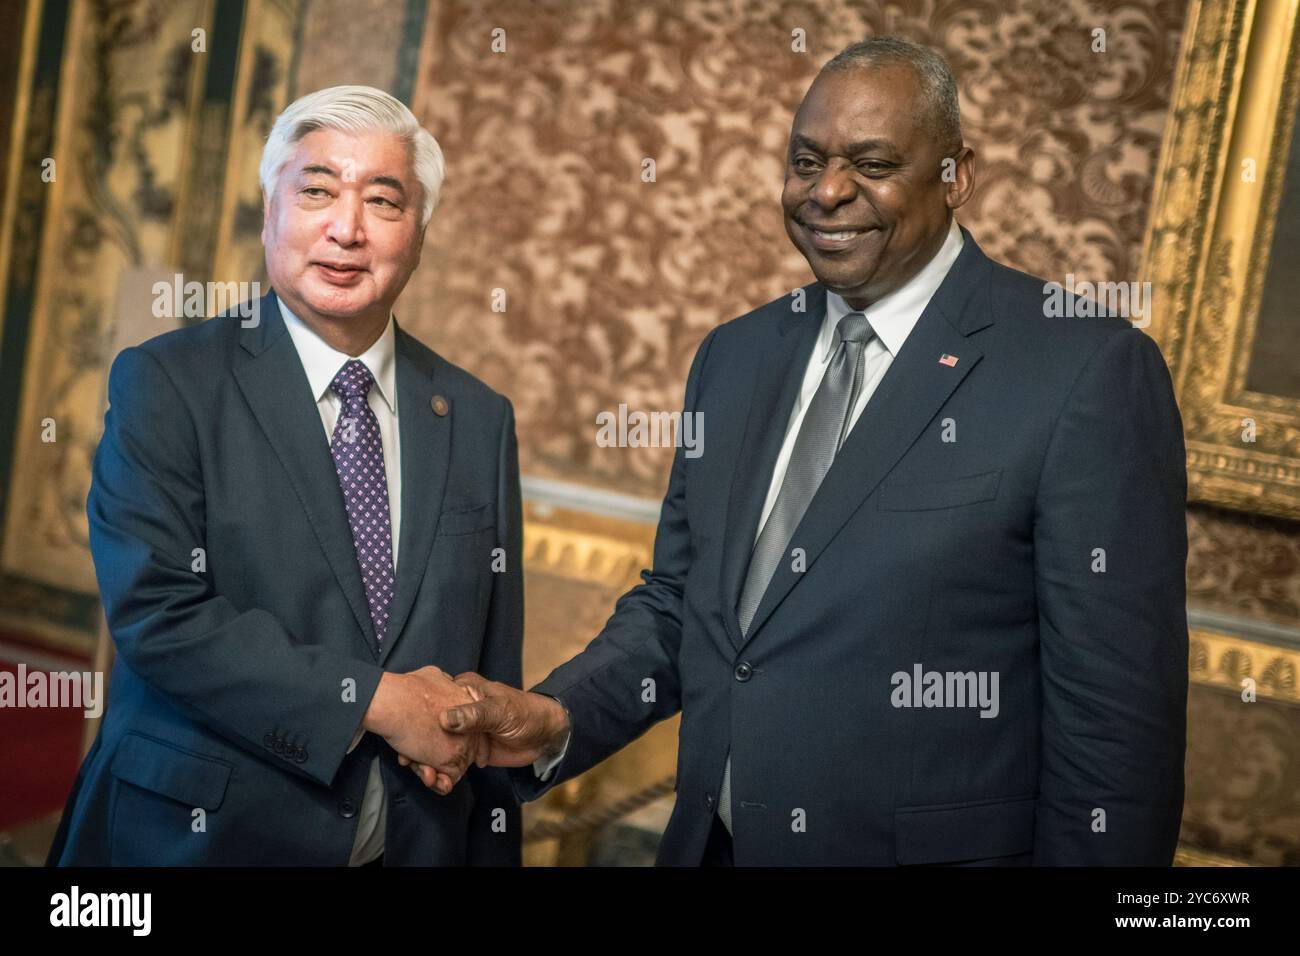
column 361, row 731
column 544, row 766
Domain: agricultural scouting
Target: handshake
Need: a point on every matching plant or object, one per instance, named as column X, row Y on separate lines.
column 439, row 726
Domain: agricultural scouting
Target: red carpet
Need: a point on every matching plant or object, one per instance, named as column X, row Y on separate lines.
column 40, row 751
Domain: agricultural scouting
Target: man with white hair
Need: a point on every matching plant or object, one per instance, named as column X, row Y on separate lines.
column 255, row 487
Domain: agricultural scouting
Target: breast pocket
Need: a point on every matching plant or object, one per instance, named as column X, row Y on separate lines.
column 933, row 495
column 465, row 520
column 457, row 582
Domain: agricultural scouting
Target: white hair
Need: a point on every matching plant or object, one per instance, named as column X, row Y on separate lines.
column 354, row 109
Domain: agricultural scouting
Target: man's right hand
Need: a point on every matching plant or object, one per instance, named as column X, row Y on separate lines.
column 405, row 711
column 518, row 727
column 514, row 728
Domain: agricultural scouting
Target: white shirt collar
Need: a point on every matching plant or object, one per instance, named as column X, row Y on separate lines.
column 893, row 316
column 322, row 362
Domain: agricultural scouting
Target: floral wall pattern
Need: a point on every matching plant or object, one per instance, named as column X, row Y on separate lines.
column 611, row 282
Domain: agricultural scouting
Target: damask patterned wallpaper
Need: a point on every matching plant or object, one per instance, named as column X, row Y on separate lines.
column 611, row 282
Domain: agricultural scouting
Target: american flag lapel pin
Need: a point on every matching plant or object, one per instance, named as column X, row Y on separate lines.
column 948, row 360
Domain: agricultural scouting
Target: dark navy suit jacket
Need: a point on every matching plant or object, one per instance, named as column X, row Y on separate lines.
column 229, row 694
column 977, row 555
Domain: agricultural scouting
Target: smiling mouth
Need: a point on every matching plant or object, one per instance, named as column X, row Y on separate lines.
column 831, row 240
column 840, row 236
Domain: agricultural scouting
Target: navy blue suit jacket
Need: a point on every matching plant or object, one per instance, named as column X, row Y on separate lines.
column 968, row 556
column 229, row 694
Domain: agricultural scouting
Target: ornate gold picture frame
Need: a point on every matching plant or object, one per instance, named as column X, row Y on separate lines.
column 1222, row 252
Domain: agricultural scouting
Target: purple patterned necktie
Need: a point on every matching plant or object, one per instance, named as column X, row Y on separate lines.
column 359, row 460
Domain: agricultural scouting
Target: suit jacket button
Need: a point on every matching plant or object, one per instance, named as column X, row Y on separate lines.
column 347, row 808
column 300, row 756
column 708, row 801
column 439, row 405
column 743, row 671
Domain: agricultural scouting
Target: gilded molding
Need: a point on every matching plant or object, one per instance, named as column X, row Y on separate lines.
column 1186, row 856
column 1207, row 247
column 1221, row 660
column 583, row 555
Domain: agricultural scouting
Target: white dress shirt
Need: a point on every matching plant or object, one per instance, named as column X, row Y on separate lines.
column 892, row 318
column 322, row 363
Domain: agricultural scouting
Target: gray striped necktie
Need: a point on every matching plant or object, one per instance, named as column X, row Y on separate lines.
column 820, row 436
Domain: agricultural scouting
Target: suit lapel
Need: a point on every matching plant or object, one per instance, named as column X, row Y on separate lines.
column 426, row 442
column 276, row 387
column 781, row 357
column 909, row 396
